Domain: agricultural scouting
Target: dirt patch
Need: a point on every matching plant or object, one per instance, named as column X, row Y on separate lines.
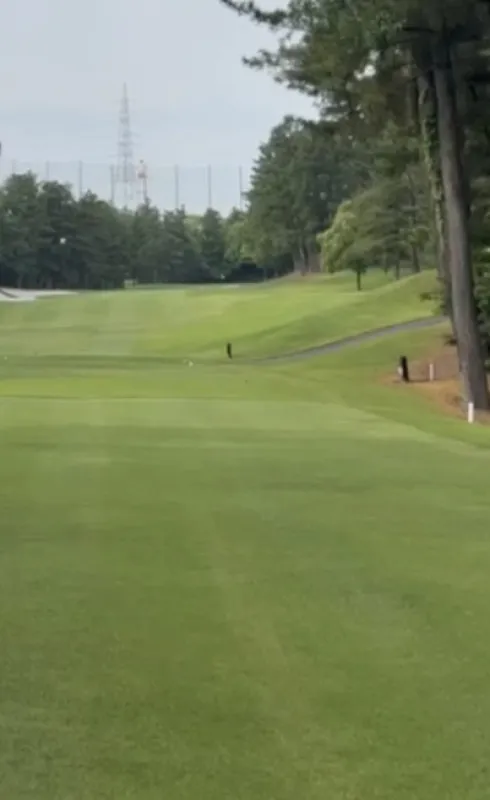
column 437, row 378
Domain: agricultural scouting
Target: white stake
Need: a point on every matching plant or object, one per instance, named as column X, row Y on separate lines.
column 471, row 412
column 432, row 373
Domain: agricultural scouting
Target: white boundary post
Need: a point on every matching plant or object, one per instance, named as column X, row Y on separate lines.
column 471, row 413
column 432, row 373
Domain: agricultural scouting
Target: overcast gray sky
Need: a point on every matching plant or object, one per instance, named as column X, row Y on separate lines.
column 193, row 103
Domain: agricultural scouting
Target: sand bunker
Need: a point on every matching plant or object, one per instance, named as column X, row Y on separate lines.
column 28, row 295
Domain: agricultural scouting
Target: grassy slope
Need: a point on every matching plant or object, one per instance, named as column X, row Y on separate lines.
column 197, row 322
column 226, row 581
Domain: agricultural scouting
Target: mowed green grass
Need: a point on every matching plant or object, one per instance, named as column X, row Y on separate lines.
column 198, row 321
column 234, row 581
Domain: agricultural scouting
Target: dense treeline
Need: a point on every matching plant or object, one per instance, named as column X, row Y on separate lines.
column 322, row 200
column 405, row 83
column 395, row 172
column 49, row 239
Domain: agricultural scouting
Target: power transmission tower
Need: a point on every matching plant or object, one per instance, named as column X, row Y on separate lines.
column 125, row 173
column 143, row 181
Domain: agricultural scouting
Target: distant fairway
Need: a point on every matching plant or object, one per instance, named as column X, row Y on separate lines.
column 236, row 582
column 260, row 320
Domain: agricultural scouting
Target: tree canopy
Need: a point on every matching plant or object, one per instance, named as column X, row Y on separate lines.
column 50, row 239
column 423, row 67
column 300, row 177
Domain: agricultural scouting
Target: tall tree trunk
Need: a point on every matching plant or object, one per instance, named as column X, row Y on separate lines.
column 431, row 154
column 314, row 263
column 415, row 259
column 298, row 262
column 414, row 250
column 470, row 351
column 306, row 265
column 358, row 280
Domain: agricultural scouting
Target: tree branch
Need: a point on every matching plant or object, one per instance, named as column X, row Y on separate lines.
column 247, row 8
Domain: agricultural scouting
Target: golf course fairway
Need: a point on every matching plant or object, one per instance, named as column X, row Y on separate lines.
column 235, row 580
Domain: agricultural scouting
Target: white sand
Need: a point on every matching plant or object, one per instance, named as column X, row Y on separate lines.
column 28, row 295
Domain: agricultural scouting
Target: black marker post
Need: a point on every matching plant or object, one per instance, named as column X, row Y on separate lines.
column 403, row 369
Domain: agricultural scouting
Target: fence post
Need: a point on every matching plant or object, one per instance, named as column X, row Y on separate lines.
column 210, row 186
column 177, row 187
column 112, row 178
column 80, row 179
